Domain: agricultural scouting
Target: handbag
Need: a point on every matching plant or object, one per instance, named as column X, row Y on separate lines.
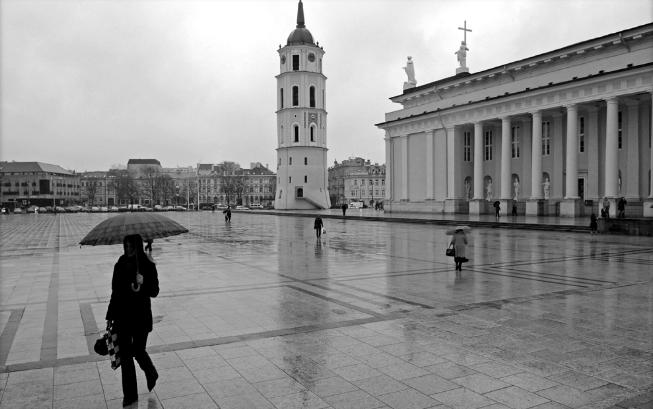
column 113, row 348
column 323, row 231
column 451, row 252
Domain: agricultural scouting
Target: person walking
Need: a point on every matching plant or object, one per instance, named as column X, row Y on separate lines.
column 148, row 246
column 317, row 225
column 593, row 224
column 497, row 209
column 344, row 209
column 459, row 242
column 621, row 207
column 227, row 214
column 135, row 282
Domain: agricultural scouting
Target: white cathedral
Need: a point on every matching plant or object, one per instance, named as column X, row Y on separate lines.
column 553, row 134
column 301, row 123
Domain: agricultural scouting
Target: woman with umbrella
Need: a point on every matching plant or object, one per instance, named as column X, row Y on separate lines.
column 459, row 243
column 134, row 282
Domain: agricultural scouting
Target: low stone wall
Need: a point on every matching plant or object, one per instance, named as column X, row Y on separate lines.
column 633, row 227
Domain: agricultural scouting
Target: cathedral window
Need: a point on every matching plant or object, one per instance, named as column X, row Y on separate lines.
column 312, row 134
column 581, row 134
column 514, row 137
column 546, row 138
column 488, row 145
column 295, row 62
column 296, row 132
column 305, row 160
column 305, row 179
column 311, row 96
column 281, row 96
column 619, row 128
column 467, row 146
column 289, row 179
column 290, row 160
column 295, row 96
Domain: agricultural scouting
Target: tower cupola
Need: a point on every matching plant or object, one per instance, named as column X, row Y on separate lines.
column 300, row 35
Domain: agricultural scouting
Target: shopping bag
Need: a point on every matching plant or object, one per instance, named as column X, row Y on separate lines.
column 323, row 231
column 451, row 252
column 113, row 347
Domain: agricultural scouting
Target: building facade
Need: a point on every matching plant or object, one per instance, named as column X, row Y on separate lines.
column 23, row 184
column 553, row 134
column 97, row 188
column 356, row 179
column 301, row 123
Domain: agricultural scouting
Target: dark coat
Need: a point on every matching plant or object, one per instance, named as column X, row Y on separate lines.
column 127, row 308
column 318, row 223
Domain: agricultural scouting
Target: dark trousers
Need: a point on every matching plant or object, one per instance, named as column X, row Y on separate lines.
column 318, row 232
column 132, row 346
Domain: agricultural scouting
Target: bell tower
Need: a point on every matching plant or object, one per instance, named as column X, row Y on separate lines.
column 301, row 123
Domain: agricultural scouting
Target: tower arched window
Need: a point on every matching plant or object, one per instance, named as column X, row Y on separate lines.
column 296, row 129
column 305, row 160
column 290, row 160
column 311, row 96
column 312, row 134
column 281, row 96
column 295, row 96
column 295, row 62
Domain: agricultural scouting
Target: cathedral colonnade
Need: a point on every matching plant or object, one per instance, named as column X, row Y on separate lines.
column 563, row 133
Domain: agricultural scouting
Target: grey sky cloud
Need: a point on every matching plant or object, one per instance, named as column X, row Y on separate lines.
column 87, row 84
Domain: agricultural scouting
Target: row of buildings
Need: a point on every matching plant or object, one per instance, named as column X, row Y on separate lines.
column 146, row 182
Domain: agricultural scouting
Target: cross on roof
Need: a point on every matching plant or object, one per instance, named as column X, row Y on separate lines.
column 465, row 30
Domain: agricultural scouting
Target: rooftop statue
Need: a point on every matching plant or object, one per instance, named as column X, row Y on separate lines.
column 410, row 72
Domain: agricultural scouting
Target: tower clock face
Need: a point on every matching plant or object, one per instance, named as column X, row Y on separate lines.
column 311, row 57
column 283, row 59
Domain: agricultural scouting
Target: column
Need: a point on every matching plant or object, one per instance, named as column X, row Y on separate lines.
column 536, row 156
column 611, row 148
column 429, row 163
column 571, row 164
column 452, row 136
column 630, row 182
column 389, row 182
column 478, row 160
column 404, row 167
column 506, row 183
column 650, row 123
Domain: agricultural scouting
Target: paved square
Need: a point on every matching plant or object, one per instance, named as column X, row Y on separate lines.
column 260, row 314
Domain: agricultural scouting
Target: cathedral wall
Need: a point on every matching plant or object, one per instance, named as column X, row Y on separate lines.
column 417, row 167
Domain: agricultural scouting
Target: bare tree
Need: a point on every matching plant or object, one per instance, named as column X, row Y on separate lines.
column 165, row 188
column 91, row 191
column 125, row 187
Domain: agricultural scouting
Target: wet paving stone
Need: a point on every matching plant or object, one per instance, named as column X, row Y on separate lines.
column 259, row 314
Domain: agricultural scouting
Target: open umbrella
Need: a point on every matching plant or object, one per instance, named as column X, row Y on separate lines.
column 149, row 225
column 466, row 229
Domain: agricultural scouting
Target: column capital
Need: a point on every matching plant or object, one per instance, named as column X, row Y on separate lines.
column 570, row 107
column 537, row 112
column 611, row 100
column 505, row 118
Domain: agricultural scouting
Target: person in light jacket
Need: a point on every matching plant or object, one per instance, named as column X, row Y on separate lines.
column 459, row 242
column 135, row 282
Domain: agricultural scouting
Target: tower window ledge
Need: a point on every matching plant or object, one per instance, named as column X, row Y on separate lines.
column 580, row 52
column 598, row 47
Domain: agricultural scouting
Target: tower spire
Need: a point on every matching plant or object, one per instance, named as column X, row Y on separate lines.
column 300, row 15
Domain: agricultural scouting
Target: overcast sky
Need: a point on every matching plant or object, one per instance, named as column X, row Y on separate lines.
column 89, row 84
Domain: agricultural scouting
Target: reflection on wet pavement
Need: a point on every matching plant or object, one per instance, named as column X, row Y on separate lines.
column 258, row 313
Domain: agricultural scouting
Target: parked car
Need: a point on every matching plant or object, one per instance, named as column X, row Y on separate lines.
column 240, row 207
column 206, row 207
column 146, row 209
column 32, row 208
column 169, row 208
column 59, row 209
column 256, row 206
column 221, row 206
column 95, row 209
column 159, row 208
column 73, row 209
column 356, row 205
column 114, row 209
column 180, row 208
column 43, row 210
column 18, row 210
column 104, row 209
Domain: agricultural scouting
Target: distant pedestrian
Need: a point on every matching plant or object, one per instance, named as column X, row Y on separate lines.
column 148, row 246
column 344, row 209
column 459, row 242
column 227, row 214
column 135, row 282
column 605, row 212
column 514, row 208
column 497, row 209
column 593, row 224
column 317, row 225
column 621, row 207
